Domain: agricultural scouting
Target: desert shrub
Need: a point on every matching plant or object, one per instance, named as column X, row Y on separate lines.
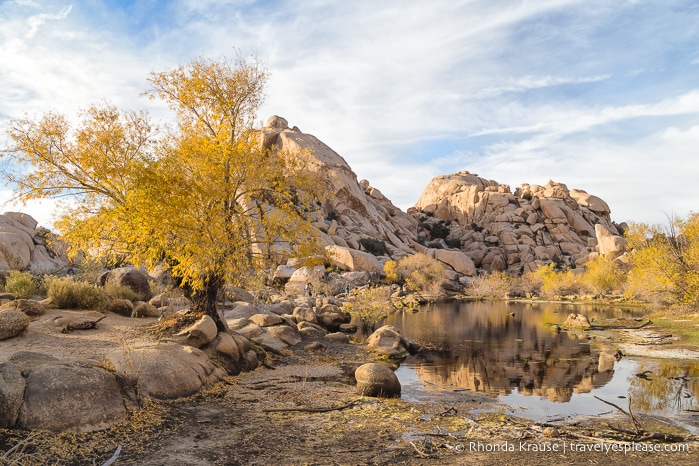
column 494, row 285
column 21, row 284
column 121, row 292
column 370, row 306
column 422, row 274
column 529, row 283
column 603, row 276
column 65, row 293
column 374, row 246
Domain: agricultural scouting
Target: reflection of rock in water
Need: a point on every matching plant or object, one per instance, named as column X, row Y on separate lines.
column 496, row 354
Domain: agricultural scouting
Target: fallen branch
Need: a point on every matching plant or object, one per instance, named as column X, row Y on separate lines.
column 636, row 425
column 313, row 410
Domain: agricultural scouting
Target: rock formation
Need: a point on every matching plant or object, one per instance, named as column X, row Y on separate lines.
column 26, row 246
column 468, row 223
column 517, row 232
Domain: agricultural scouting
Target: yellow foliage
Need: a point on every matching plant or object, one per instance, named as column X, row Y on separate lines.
column 603, row 276
column 390, row 270
column 665, row 262
column 370, row 305
column 556, row 283
column 205, row 197
column 422, row 273
column 493, row 285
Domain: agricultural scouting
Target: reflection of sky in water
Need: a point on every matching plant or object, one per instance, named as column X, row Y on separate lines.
column 440, row 376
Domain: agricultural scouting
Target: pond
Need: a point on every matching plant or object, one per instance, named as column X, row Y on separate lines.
column 513, row 351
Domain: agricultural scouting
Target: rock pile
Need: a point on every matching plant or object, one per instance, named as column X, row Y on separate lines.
column 516, row 232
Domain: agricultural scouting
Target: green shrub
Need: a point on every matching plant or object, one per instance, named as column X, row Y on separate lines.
column 65, row 293
column 21, row 284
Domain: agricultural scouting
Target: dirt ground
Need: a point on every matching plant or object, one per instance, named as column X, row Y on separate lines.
column 304, row 410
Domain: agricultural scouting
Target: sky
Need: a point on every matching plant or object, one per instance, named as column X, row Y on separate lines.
column 601, row 95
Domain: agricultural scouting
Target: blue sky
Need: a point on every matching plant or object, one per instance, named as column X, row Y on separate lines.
column 600, row 95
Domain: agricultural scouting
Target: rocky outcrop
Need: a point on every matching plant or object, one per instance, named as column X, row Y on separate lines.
column 26, row 246
column 515, row 232
column 468, row 223
column 167, row 371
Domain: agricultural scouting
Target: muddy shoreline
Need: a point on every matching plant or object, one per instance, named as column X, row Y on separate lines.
column 303, row 409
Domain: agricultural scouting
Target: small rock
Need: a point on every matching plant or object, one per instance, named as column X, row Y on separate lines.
column 577, row 321
column 338, row 337
column 315, row 346
column 551, row 432
column 147, row 310
column 266, row 320
column 123, row 307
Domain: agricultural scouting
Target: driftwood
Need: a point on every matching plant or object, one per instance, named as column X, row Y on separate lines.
column 313, row 410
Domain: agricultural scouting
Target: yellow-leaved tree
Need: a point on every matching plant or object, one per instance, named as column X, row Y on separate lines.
column 665, row 261
column 204, row 196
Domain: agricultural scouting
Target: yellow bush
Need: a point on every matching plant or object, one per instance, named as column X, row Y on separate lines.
column 603, row 276
column 494, row 285
column 422, row 274
column 390, row 269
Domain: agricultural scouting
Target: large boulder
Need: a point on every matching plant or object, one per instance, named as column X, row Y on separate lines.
column 65, row 397
column 128, row 277
column 388, row 342
column 288, row 335
column 457, row 260
column 12, row 387
column 377, row 380
column 12, row 323
column 199, row 334
column 37, row 391
column 609, row 244
column 28, row 306
column 167, row 371
column 353, row 260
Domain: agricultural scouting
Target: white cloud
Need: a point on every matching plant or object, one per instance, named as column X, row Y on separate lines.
column 579, row 91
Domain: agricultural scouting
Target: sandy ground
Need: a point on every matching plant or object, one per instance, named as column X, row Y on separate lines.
column 305, row 410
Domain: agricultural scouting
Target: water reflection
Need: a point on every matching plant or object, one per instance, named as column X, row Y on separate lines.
column 512, row 350
column 497, row 347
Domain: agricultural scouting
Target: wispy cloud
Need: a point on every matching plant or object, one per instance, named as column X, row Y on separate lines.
column 575, row 90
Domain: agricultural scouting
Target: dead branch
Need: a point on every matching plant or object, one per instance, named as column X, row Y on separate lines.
column 313, row 410
column 636, row 425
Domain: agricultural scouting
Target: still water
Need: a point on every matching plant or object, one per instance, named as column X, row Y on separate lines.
column 513, row 351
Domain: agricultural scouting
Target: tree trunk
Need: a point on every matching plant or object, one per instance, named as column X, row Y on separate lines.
column 204, row 300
